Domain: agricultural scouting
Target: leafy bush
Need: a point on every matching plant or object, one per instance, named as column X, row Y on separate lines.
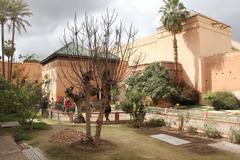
column 22, row 137
column 153, row 82
column 127, row 107
column 41, row 126
column 222, row 100
column 211, row 131
column 185, row 95
column 137, row 112
column 153, row 123
column 7, row 97
column 234, row 135
column 191, row 130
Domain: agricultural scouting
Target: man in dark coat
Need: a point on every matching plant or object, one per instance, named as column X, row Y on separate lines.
column 107, row 111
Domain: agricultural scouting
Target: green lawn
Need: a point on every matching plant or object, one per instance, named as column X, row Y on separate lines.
column 129, row 144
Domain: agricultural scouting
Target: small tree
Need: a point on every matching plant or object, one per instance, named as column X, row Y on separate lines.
column 153, row 82
column 99, row 56
column 28, row 97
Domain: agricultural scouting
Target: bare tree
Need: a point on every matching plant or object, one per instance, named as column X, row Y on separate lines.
column 100, row 54
column 79, row 70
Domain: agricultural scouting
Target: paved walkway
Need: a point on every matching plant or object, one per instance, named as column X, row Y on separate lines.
column 9, row 150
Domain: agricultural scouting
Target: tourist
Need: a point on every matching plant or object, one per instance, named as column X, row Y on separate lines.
column 107, row 111
column 67, row 104
column 44, row 105
column 52, row 104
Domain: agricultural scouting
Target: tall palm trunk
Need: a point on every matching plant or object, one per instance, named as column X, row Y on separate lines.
column 3, row 65
column 13, row 39
column 175, row 46
column 88, row 112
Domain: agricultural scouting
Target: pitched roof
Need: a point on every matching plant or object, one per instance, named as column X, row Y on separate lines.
column 68, row 50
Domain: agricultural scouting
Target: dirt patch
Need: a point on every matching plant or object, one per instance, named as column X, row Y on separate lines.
column 202, row 149
column 91, row 146
column 66, row 136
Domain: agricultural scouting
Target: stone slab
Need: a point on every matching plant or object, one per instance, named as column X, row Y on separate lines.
column 170, row 139
column 226, row 146
column 10, row 124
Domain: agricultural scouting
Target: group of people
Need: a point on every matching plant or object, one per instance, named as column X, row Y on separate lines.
column 68, row 105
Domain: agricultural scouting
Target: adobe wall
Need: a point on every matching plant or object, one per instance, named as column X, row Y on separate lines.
column 49, row 74
column 200, row 38
column 223, row 73
column 31, row 70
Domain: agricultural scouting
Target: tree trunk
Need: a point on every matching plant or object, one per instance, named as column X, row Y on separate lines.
column 8, row 69
column 88, row 113
column 13, row 39
column 105, row 100
column 175, row 46
column 3, row 65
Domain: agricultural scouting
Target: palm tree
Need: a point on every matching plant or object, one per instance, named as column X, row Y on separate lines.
column 8, row 51
column 174, row 13
column 4, row 8
column 18, row 12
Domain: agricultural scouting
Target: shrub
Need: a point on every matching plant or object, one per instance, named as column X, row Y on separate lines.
column 234, row 135
column 22, row 137
column 191, row 130
column 222, row 100
column 211, row 131
column 185, row 95
column 40, row 126
column 127, row 107
column 153, row 123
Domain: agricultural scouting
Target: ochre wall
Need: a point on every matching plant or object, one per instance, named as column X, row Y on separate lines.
column 32, row 70
column 49, row 71
column 223, row 72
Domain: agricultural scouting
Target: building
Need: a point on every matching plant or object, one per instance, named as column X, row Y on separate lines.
column 58, row 74
column 208, row 55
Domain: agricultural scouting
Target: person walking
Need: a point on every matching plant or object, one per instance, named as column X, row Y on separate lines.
column 107, row 111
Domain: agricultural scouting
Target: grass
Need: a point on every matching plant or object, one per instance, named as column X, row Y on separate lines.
column 22, row 137
column 129, row 144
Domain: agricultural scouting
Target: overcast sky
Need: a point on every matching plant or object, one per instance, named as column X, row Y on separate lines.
column 51, row 17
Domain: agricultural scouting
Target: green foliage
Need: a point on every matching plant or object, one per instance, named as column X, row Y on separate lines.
column 174, row 13
column 127, row 107
column 29, row 98
column 22, row 137
column 40, row 126
column 234, row 135
column 153, row 123
column 185, row 95
column 137, row 111
column 153, row 82
column 7, row 97
column 222, row 100
column 211, row 131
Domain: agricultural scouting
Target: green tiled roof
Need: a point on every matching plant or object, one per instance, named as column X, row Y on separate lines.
column 66, row 51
